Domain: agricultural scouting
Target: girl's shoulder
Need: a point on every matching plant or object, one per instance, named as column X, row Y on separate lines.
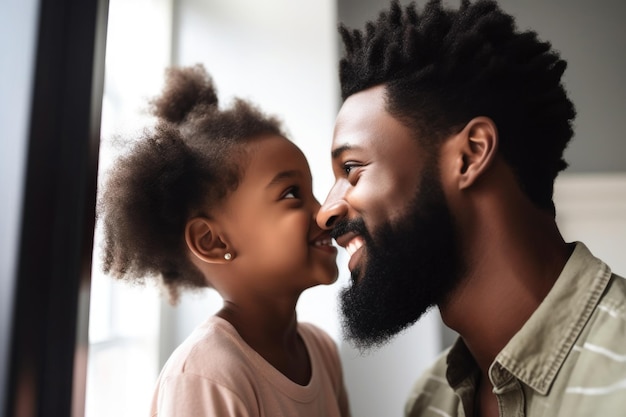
column 213, row 348
column 313, row 331
column 210, row 370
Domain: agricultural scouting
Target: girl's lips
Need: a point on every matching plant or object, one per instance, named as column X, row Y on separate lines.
column 324, row 244
column 325, row 248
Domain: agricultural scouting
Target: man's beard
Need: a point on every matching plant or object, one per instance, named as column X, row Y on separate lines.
column 409, row 267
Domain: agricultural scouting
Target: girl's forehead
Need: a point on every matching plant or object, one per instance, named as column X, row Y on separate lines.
column 273, row 154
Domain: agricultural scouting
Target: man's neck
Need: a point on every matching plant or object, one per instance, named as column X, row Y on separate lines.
column 510, row 268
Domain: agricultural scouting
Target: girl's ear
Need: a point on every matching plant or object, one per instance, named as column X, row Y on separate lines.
column 204, row 241
column 478, row 144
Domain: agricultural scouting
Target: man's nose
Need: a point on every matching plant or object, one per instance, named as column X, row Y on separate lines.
column 334, row 208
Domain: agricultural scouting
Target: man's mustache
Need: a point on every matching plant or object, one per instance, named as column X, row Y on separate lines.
column 344, row 226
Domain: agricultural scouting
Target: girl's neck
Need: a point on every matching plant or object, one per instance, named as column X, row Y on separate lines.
column 273, row 334
column 261, row 325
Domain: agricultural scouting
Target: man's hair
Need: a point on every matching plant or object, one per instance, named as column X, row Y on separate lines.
column 184, row 167
column 442, row 67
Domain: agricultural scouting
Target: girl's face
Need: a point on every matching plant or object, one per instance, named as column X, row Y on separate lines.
column 278, row 246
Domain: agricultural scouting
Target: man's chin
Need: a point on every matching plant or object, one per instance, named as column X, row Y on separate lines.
column 368, row 321
column 368, row 339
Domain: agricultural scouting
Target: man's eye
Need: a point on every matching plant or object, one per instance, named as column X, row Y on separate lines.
column 348, row 167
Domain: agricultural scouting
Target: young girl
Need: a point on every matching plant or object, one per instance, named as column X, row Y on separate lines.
column 220, row 198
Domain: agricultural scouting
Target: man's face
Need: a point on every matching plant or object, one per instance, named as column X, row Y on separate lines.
column 388, row 209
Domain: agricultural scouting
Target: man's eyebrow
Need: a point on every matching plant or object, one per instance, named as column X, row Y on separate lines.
column 284, row 175
column 336, row 153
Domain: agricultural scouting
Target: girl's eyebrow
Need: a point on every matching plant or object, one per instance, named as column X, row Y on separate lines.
column 284, row 175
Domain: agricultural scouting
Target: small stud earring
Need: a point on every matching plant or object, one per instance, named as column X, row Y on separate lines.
column 228, row 256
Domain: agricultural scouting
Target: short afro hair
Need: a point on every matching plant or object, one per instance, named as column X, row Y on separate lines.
column 183, row 167
column 441, row 67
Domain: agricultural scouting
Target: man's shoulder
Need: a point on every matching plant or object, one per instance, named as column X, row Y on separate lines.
column 607, row 326
column 593, row 376
column 431, row 394
column 616, row 291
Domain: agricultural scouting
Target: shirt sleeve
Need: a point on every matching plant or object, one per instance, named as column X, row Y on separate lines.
column 342, row 392
column 344, row 403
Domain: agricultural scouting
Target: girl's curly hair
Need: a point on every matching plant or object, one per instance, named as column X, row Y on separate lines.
column 442, row 67
column 183, row 167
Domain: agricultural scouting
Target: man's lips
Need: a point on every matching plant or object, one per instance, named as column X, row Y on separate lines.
column 354, row 245
column 344, row 239
column 352, row 242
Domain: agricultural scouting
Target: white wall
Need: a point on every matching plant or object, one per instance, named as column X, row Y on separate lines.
column 591, row 208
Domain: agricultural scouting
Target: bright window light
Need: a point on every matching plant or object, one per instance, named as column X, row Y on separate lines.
column 124, row 320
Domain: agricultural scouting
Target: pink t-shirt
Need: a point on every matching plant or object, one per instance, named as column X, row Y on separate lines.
column 215, row 373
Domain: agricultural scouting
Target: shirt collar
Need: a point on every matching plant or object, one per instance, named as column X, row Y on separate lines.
column 537, row 351
column 460, row 364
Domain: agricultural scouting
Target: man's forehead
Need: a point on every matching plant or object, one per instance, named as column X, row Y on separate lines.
column 361, row 120
column 361, row 126
column 362, row 104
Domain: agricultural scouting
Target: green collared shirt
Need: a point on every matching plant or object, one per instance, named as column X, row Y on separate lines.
column 569, row 358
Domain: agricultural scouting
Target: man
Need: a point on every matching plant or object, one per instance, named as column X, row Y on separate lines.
column 445, row 152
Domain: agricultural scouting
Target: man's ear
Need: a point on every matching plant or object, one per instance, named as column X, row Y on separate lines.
column 477, row 150
column 204, row 240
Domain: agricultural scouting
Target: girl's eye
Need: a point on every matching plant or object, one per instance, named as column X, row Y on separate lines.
column 291, row 192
